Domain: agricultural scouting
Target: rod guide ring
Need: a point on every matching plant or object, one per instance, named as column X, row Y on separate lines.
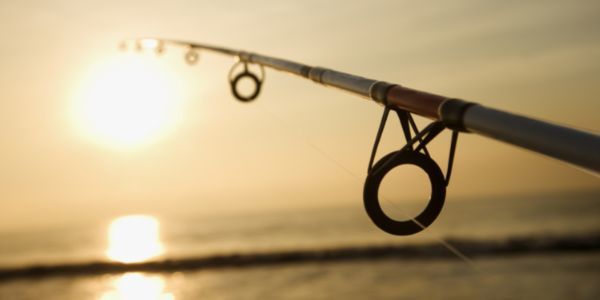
column 245, row 74
column 191, row 56
column 372, row 202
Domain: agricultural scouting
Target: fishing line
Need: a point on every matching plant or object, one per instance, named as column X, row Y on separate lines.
column 303, row 139
column 436, row 237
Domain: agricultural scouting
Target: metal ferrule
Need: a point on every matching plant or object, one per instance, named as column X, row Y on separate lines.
column 316, row 74
column 378, row 91
column 452, row 112
column 245, row 56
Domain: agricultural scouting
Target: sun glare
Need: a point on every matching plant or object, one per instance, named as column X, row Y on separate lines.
column 127, row 101
column 133, row 239
column 135, row 286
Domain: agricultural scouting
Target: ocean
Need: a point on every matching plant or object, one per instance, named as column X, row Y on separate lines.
column 509, row 247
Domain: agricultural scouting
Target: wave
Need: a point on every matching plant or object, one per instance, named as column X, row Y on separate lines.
column 469, row 247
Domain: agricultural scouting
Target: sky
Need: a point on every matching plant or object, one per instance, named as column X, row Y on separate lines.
column 299, row 144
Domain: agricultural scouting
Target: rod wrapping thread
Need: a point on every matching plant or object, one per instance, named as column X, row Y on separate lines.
column 418, row 102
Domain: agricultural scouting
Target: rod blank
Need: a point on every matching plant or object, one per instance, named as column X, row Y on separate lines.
column 570, row 145
column 574, row 146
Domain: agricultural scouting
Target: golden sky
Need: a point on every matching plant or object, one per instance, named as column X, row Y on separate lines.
column 538, row 58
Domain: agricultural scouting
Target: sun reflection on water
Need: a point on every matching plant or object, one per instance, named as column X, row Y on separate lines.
column 134, row 238
column 136, row 286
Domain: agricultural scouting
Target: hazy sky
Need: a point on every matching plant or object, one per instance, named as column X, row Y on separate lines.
column 539, row 58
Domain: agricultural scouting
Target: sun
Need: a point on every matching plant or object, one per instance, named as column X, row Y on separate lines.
column 127, row 101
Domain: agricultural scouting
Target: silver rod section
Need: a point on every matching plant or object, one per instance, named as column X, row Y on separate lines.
column 348, row 82
column 570, row 145
column 280, row 64
column 221, row 50
column 352, row 83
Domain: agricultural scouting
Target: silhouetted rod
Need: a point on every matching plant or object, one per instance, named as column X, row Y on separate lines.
column 570, row 145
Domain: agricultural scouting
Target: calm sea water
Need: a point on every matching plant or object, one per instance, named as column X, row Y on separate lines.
column 543, row 275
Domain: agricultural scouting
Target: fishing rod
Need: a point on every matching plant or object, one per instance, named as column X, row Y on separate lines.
column 576, row 147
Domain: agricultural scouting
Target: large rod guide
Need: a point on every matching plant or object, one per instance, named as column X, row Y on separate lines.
column 573, row 146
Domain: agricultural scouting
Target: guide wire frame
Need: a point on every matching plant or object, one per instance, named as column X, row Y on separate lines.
column 246, row 73
column 409, row 154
